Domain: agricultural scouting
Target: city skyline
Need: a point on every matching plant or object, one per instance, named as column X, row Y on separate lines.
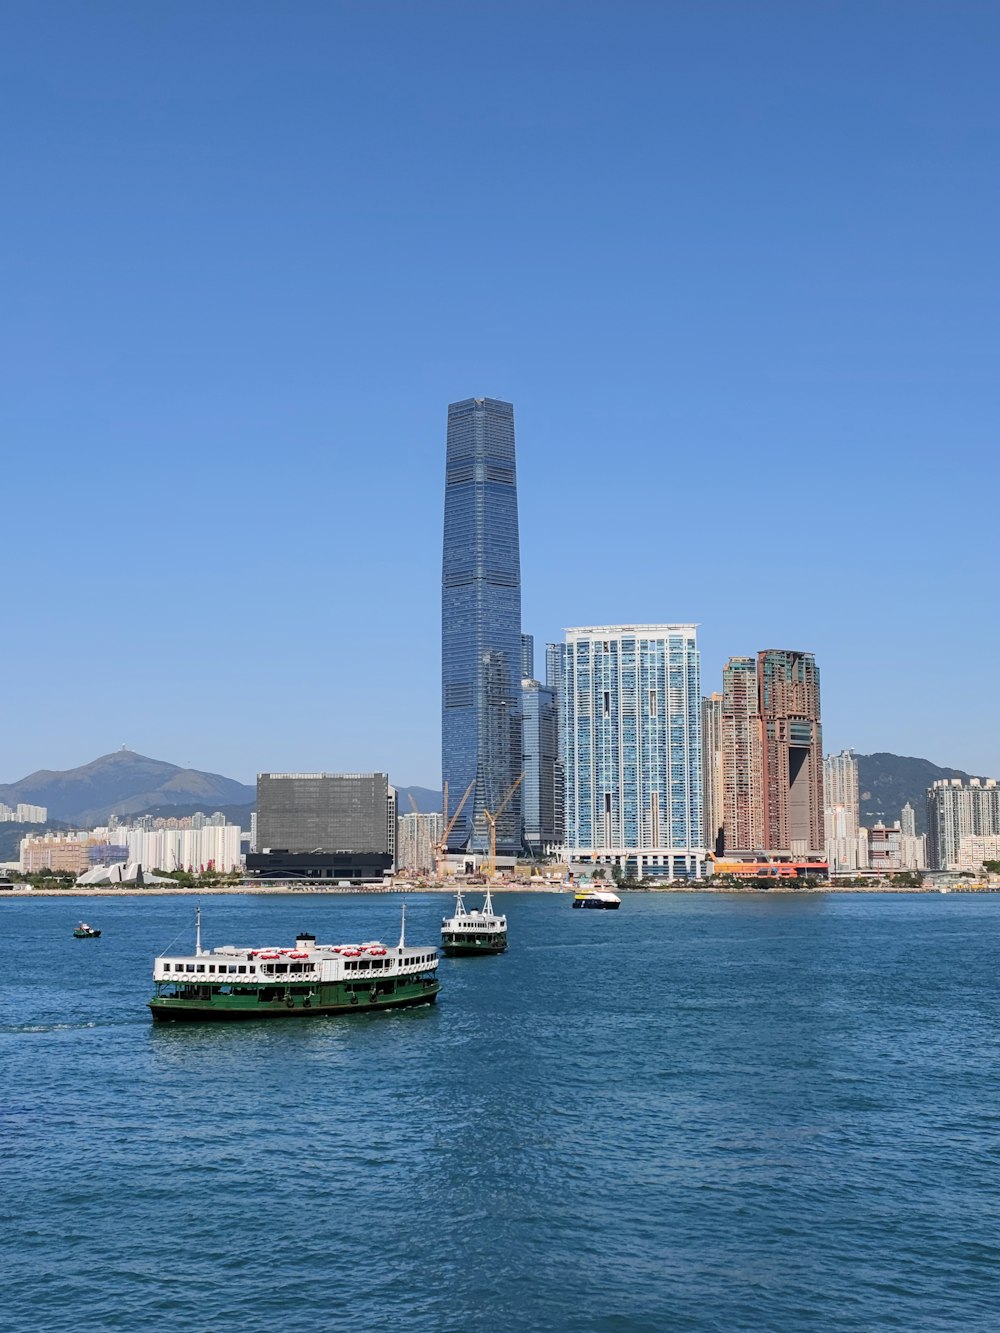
column 230, row 331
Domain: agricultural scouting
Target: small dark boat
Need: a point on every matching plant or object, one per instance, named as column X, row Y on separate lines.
column 85, row 932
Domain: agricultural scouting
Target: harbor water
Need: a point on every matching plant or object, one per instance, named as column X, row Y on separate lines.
column 700, row 1112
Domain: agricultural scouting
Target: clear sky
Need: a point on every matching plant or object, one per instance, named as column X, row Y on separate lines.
column 735, row 264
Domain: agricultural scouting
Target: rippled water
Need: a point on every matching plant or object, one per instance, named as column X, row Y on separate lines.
column 699, row 1112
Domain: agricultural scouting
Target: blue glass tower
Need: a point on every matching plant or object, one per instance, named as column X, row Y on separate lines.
column 481, row 623
column 632, row 727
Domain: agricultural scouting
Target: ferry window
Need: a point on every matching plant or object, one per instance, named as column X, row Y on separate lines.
column 242, row 968
column 166, row 967
column 252, row 970
column 211, row 967
column 189, row 967
column 201, row 967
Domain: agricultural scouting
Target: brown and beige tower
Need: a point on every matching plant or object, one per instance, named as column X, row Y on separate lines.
column 742, row 775
column 791, row 751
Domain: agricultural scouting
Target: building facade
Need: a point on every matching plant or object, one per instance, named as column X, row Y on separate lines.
column 974, row 850
column 841, row 826
column 712, row 786
column 481, row 643
column 742, row 775
column 324, row 826
column 418, row 838
column 555, row 676
column 791, row 750
column 205, row 848
column 632, row 728
column 957, row 810
column 60, row 852
column 542, row 771
column 23, row 814
column 527, row 657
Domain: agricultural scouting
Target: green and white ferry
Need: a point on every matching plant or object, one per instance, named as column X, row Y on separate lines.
column 468, row 932
column 235, row 982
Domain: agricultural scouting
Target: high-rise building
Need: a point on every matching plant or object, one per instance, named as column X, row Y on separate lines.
column 791, row 750
column 481, row 624
column 527, row 657
column 632, row 713
column 542, row 772
column 742, row 775
column 908, row 821
column 712, row 772
column 840, row 814
column 957, row 810
column 419, row 835
column 840, row 780
column 324, row 826
column 555, row 674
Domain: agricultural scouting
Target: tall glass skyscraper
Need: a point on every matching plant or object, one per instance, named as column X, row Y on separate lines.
column 632, row 723
column 481, row 623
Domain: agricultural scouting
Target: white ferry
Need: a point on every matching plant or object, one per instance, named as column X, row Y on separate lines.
column 597, row 898
column 235, row 982
column 466, row 932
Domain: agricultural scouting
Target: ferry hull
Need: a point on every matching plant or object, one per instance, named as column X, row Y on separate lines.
column 468, row 948
column 223, row 1008
column 598, row 907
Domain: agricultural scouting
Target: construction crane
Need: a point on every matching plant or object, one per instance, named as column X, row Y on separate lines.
column 491, row 819
column 449, row 824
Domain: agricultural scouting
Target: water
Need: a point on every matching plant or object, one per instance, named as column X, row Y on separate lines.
column 699, row 1112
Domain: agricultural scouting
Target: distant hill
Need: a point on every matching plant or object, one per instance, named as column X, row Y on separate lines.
column 428, row 802
column 123, row 783
column 887, row 781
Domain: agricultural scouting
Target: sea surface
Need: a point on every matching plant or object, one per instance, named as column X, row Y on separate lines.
column 700, row 1112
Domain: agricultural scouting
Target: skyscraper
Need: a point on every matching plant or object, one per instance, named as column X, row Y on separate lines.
column 711, row 771
column 527, row 657
column 542, row 772
column 957, row 810
column 742, row 774
column 791, row 750
column 555, row 673
column 840, row 813
column 481, row 623
column 632, row 709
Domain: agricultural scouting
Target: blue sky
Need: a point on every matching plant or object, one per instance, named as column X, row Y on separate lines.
column 735, row 264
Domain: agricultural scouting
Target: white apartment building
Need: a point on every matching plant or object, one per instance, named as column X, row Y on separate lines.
column 632, row 715
column 973, row 850
column 418, row 836
column 957, row 810
column 845, row 845
column 211, row 847
column 23, row 814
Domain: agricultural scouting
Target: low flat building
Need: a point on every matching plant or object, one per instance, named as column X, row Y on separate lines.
column 770, row 865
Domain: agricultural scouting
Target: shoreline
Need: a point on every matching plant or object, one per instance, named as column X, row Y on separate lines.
column 255, row 890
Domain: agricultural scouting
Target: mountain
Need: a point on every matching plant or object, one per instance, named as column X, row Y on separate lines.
column 887, row 781
column 123, row 783
column 428, row 802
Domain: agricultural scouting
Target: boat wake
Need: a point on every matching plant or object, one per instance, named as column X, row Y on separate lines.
column 19, row 1029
